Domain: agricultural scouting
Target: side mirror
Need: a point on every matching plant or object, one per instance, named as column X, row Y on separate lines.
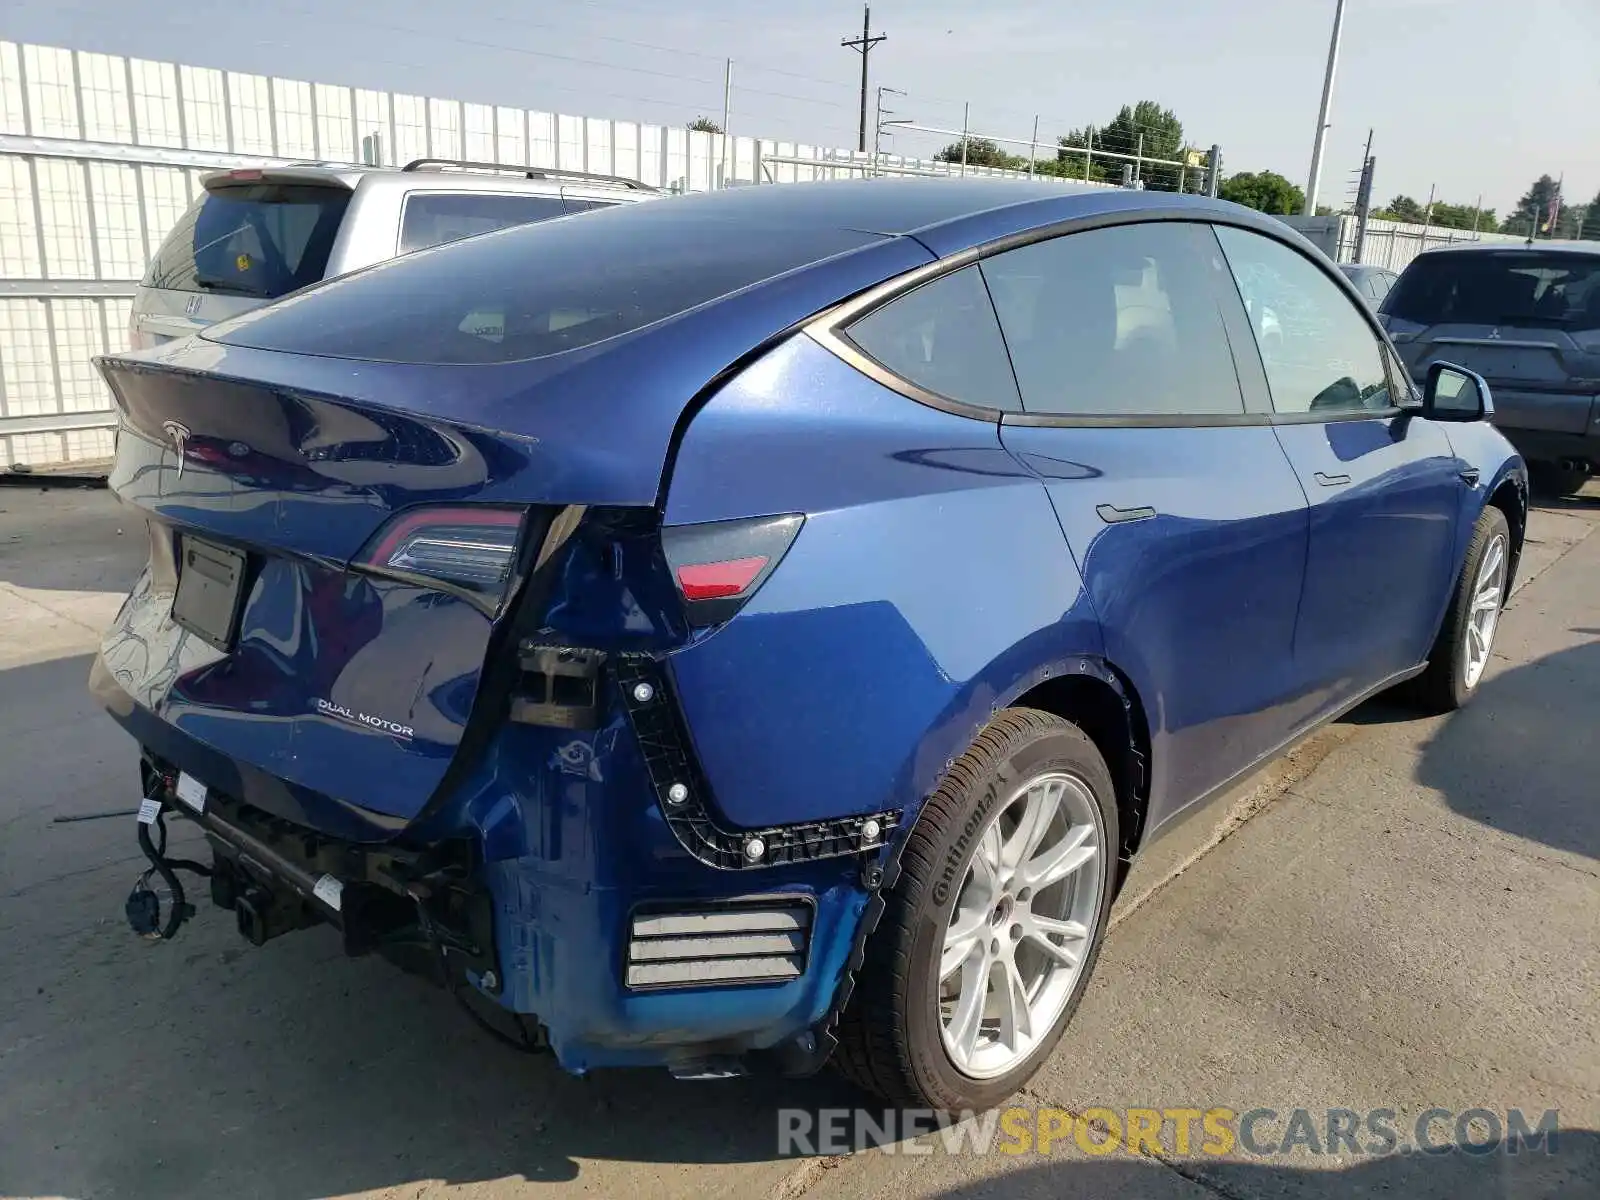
column 1456, row 394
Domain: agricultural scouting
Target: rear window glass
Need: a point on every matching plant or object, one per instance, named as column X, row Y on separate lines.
column 432, row 219
column 1500, row 288
column 264, row 240
column 538, row 289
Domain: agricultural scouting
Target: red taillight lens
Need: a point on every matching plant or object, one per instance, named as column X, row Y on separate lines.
column 461, row 545
column 717, row 580
column 720, row 565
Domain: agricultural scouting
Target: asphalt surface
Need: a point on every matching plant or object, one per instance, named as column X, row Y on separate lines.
column 1404, row 913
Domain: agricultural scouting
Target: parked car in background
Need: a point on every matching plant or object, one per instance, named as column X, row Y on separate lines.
column 1371, row 283
column 258, row 233
column 1526, row 318
column 765, row 626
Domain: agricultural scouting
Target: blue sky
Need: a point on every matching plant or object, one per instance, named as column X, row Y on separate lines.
column 1472, row 95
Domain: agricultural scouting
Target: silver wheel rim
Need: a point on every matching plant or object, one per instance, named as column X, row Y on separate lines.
column 1487, row 595
column 1024, row 920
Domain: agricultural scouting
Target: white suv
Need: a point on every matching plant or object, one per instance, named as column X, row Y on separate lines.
column 258, row 233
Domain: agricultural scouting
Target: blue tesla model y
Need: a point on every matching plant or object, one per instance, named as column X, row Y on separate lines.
column 763, row 627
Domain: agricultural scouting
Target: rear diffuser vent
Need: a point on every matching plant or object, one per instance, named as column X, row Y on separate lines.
column 756, row 941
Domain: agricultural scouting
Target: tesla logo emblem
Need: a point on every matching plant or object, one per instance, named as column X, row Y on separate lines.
column 179, row 433
column 191, row 306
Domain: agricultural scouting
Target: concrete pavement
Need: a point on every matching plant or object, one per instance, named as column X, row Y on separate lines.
column 1401, row 914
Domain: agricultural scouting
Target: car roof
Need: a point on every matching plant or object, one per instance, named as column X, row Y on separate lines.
column 946, row 215
column 1541, row 246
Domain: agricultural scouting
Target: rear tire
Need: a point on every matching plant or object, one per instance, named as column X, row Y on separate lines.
column 988, row 832
column 1466, row 640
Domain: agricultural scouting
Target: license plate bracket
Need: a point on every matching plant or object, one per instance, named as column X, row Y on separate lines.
column 210, row 589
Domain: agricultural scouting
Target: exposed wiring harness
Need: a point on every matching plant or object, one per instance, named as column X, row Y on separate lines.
column 143, row 908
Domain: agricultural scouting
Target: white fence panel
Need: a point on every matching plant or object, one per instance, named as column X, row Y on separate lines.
column 80, row 215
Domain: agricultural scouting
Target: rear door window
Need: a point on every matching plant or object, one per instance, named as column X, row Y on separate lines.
column 434, row 218
column 944, row 338
column 1542, row 288
column 263, row 240
column 1319, row 350
column 1117, row 322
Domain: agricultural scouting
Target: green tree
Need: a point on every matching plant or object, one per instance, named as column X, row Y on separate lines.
column 1401, row 208
column 981, row 152
column 1264, row 191
column 1462, row 216
column 1533, row 210
column 1591, row 222
column 1070, row 161
column 704, row 125
column 1148, row 129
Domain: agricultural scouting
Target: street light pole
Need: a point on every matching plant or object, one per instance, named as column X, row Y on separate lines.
column 1323, row 112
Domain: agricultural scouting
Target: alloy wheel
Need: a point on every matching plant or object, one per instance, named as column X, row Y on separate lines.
column 1488, row 593
column 1023, row 924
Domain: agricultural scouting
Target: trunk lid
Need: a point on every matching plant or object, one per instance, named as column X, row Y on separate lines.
column 293, row 648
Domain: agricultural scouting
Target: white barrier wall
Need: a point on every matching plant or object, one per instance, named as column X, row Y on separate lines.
column 100, row 155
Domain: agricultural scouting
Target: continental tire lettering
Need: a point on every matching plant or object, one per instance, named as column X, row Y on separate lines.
column 957, row 859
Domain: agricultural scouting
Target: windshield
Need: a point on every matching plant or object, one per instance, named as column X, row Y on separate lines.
column 1520, row 287
column 265, row 240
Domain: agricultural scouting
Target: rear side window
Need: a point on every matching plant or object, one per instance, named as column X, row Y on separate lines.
column 576, row 205
column 538, row 289
column 1500, row 287
column 943, row 337
column 264, row 240
column 434, row 218
column 1118, row 322
column 1319, row 350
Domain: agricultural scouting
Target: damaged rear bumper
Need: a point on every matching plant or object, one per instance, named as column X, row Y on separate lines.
column 570, row 898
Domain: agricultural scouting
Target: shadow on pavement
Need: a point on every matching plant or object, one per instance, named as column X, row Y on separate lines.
column 1571, row 1171
column 1521, row 756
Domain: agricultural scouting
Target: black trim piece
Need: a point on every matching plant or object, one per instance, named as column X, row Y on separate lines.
column 829, row 328
column 683, row 794
column 1333, row 415
column 1138, row 420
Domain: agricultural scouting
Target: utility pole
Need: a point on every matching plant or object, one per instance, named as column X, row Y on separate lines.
column 1427, row 214
column 1033, row 146
column 1477, row 214
column 727, row 104
column 1323, row 112
column 863, row 45
column 1364, row 200
column 877, row 126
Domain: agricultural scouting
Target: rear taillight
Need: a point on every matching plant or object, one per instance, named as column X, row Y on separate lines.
column 719, row 566
column 466, row 547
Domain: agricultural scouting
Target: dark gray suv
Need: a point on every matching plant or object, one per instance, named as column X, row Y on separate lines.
column 1526, row 318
